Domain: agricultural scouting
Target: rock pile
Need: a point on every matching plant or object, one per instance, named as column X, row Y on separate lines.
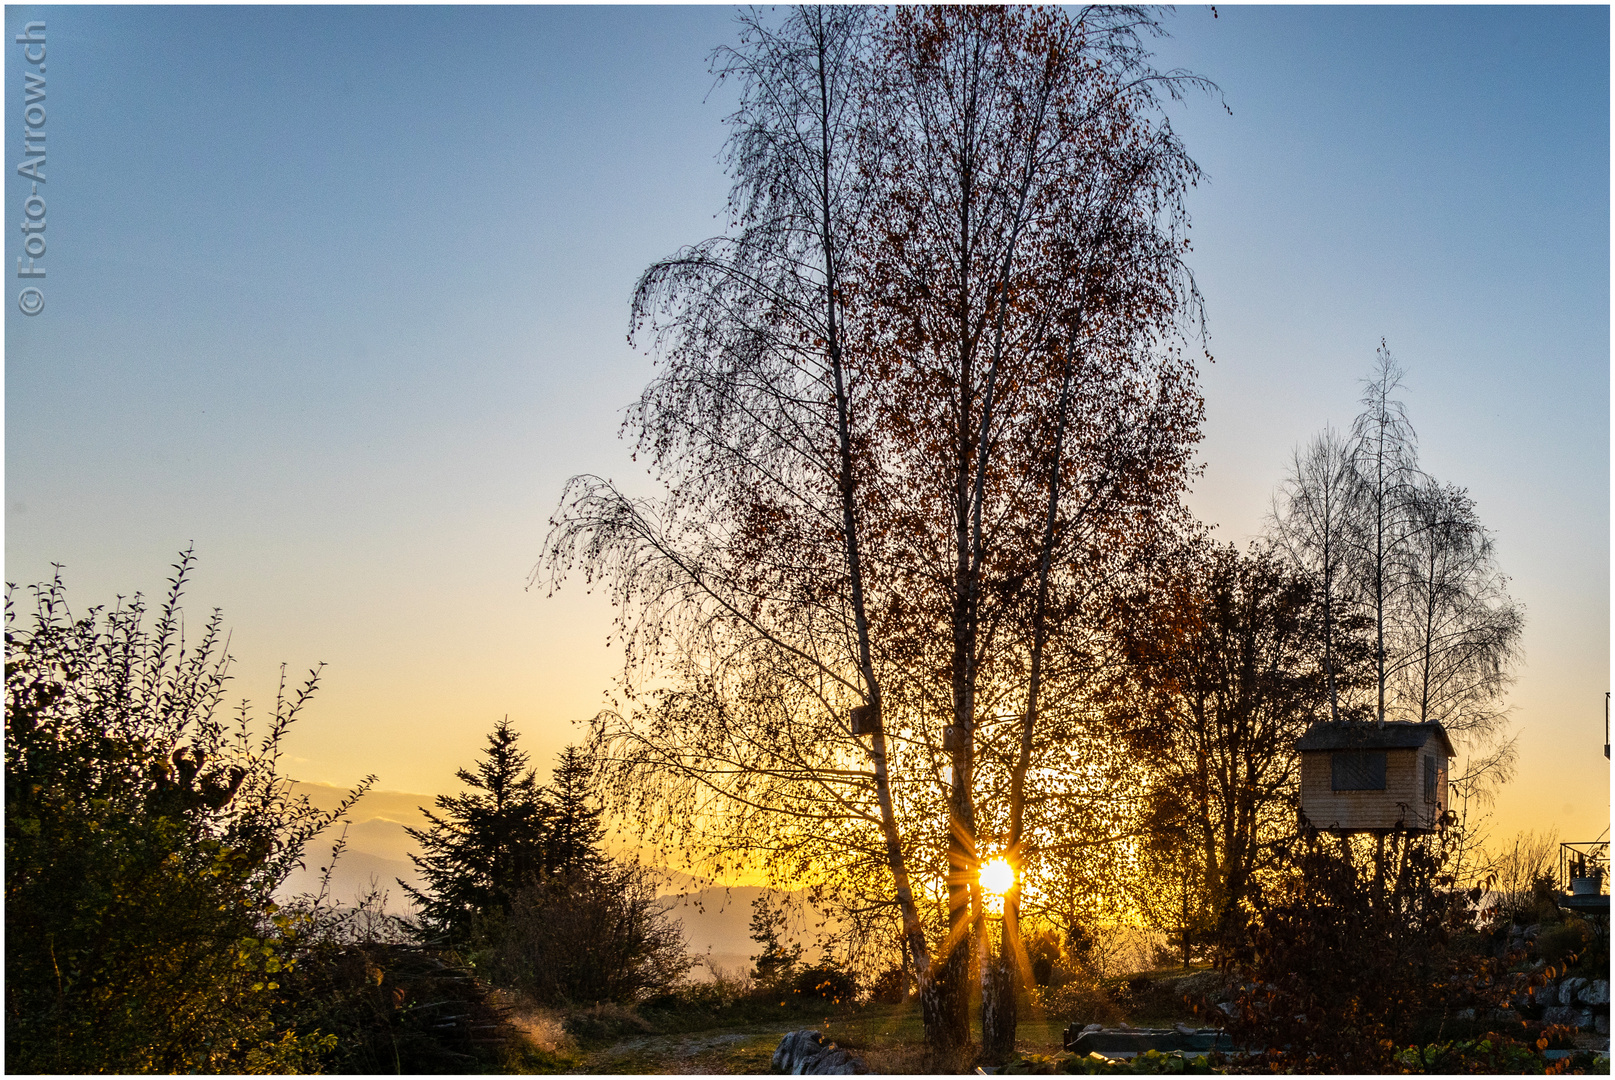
column 1578, row 1001
column 1582, row 1003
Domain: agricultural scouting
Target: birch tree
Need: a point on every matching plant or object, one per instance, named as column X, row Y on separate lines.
column 1458, row 629
column 851, row 419
column 1384, row 454
column 1312, row 521
column 1386, row 544
column 1027, row 268
column 748, row 586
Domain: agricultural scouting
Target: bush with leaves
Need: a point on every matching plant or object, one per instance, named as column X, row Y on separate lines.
column 1494, row 1054
column 1078, row 1001
column 145, row 838
column 587, row 936
column 1149, row 1063
column 891, row 987
column 826, row 981
column 1341, row 966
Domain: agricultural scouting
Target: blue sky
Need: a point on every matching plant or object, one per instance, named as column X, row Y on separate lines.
column 340, row 296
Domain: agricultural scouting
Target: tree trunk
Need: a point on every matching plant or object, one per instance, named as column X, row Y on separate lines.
column 945, row 1000
column 998, row 1004
column 1379, row 867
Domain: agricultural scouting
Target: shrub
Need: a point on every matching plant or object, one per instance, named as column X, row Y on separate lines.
column 1335, row 973
column 724, row 990
column 826, row 981
column 145, row 837
column 1151, row 1062
column 1494, row 1054
column 891, row 987
column 1163, row 998
column 1557, row 944
column 590, row 936
column 1079, row 1001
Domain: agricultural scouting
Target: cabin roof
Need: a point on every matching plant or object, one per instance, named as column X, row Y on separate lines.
column 1393, row 735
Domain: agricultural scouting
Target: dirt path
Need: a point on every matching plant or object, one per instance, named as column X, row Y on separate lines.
column 725, row 1050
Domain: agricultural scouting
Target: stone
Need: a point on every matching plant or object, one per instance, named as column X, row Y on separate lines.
column 1466, row 1014
column 805, row 1053
column 1596, row 992
column 1568, row 1014
column 1506, row 1016
column 1601, row 1024
column 1568, row 990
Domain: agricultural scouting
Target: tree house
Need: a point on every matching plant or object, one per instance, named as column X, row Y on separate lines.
column 1367, row 777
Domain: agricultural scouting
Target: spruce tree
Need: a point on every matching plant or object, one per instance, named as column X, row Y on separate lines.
column 777, row 961
column 574, row 832
column 481, row 847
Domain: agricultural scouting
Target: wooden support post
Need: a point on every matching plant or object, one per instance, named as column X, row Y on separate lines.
column 1379, row 867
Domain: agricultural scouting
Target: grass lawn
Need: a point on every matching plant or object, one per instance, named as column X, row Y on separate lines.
column 889, row 1037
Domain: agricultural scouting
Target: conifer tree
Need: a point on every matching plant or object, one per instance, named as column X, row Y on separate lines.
column 777, row 960
column 481, row 847
column 573, row 832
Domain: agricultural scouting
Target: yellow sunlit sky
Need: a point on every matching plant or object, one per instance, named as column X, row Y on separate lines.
column 339, row 295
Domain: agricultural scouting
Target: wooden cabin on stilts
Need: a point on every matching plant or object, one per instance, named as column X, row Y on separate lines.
column 1382, row 779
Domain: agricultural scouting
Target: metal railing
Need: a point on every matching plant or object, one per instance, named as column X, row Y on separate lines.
column 1581, row 861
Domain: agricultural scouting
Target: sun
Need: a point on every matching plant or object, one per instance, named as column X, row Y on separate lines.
column 997, row 876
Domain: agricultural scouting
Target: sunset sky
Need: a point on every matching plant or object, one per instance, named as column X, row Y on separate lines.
column 340, row 296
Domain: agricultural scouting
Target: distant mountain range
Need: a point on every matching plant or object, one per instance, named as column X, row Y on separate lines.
column 716, row 918
column 378, row 848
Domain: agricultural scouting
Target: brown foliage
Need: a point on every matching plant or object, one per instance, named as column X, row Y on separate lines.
column 1338, row 975
column 1220, row 674
column 957, row 232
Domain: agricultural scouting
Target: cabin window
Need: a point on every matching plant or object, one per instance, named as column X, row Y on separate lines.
column 1357, row 770
column 1430, row 779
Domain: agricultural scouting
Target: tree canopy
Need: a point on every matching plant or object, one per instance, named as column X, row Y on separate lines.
column 956, row 231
